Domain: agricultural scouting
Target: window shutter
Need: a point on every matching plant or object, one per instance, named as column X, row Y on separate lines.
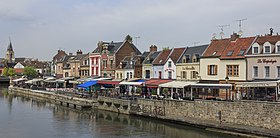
column 208, row 69
column 216, row 69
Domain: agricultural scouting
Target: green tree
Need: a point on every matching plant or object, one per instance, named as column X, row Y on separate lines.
column 8, row 72
column 128, row 38
column 30, row 72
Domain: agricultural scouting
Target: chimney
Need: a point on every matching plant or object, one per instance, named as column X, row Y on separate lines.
column 271, row 31
column 153, row 48
column 79, row 52
column 234, row 36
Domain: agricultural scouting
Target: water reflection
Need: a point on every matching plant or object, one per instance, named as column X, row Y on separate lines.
column 29, row 117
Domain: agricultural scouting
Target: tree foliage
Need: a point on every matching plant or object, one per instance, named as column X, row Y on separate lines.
column 30, row 72
column 128, row 38
column 8, row 72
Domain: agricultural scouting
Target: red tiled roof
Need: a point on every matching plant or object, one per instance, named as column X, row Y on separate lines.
column 271, row 39
column 236, row 46
column 176, row 53
column 217, row 46
column 162, row 57
column 153, row 83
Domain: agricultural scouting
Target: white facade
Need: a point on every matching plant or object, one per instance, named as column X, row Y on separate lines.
column 94, row 65
column 169, row 70
column 157, row 69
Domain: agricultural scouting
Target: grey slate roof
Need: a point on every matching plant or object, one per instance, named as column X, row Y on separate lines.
column 191, row 51
column 150, row 58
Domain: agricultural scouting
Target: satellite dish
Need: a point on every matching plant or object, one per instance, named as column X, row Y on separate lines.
column 240, row 32
column 214, row 35
column 222, row 34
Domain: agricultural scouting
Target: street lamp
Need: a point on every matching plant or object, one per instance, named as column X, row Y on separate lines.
column 226, row 89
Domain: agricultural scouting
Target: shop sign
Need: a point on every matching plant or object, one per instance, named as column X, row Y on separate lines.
column 188, row 68
column 267, row 61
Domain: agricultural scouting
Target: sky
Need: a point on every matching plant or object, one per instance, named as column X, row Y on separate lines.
column 38, row 28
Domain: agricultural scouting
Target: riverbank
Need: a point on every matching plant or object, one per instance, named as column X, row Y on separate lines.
column 245, row 117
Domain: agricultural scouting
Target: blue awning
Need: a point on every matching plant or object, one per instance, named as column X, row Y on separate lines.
column 87, row 84
column 141, row 80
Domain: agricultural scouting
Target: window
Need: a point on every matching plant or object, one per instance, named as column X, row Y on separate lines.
column 278, row 49
column 111, row 63
column 159, row 74
column 241, row 52
column 266, row 49
column 212, row 69
column 193, row 74
column 197, row 57
column 105, row 63
column 184, row 74
column 278, row 71
column 96, row 60
column 214, row 53
column 127, row 75
column 147, row 74
column 255, row 50
column 266, row 71
column 229, row 53
column 130, row 74
column 169, row 64
column 105, row 75
column 256, row 71
column 121, row 75
column 169, row 75
column 96, row 71
column 232, row 70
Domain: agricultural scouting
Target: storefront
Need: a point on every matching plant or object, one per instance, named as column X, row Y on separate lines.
column 259, row 90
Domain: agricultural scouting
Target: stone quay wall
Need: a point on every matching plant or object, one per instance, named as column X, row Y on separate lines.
column 257, row 117
column 253, row 117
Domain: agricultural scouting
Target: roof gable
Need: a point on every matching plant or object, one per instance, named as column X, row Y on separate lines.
column 162, row 57
column 176, row 54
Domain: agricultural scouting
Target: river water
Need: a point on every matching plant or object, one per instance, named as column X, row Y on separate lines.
column 22, row 117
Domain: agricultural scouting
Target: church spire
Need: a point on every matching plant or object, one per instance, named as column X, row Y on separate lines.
column 10, row 46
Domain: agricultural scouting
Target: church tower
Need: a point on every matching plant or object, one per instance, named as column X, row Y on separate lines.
column 10, row 55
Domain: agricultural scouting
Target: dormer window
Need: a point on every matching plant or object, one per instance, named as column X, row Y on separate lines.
column 230, row 53
column 267, row 47
column 241, row 52
column 255, row 49
column 277, row 47
column 197, row 57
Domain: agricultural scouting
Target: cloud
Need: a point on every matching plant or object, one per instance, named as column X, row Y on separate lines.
column 39, row 27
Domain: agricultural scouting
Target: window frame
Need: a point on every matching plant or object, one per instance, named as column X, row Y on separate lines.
column 232, row 70
column 255, row 74
column 266, row 75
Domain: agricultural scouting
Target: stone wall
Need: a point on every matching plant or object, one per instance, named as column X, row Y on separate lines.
column 247, row 113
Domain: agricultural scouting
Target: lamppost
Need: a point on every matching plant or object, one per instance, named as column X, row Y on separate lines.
column 226, row 89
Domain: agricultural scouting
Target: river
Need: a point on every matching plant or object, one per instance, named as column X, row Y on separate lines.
column 23, row 117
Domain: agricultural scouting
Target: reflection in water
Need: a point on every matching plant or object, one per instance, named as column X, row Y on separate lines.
column 27, row 117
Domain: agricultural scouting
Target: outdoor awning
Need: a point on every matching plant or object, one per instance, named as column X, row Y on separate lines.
column 177, row 84
column 130, row 83
column 211, row 86
column 153, row 83
column 257, row 84
column 33, row 81
column 106, row 82
column 87, row 84
column 20, row 79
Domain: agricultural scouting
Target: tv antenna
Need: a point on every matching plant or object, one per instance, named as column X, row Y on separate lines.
column 240, row 32
column 222, row 34
column 136, row 37
column 194, row 43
